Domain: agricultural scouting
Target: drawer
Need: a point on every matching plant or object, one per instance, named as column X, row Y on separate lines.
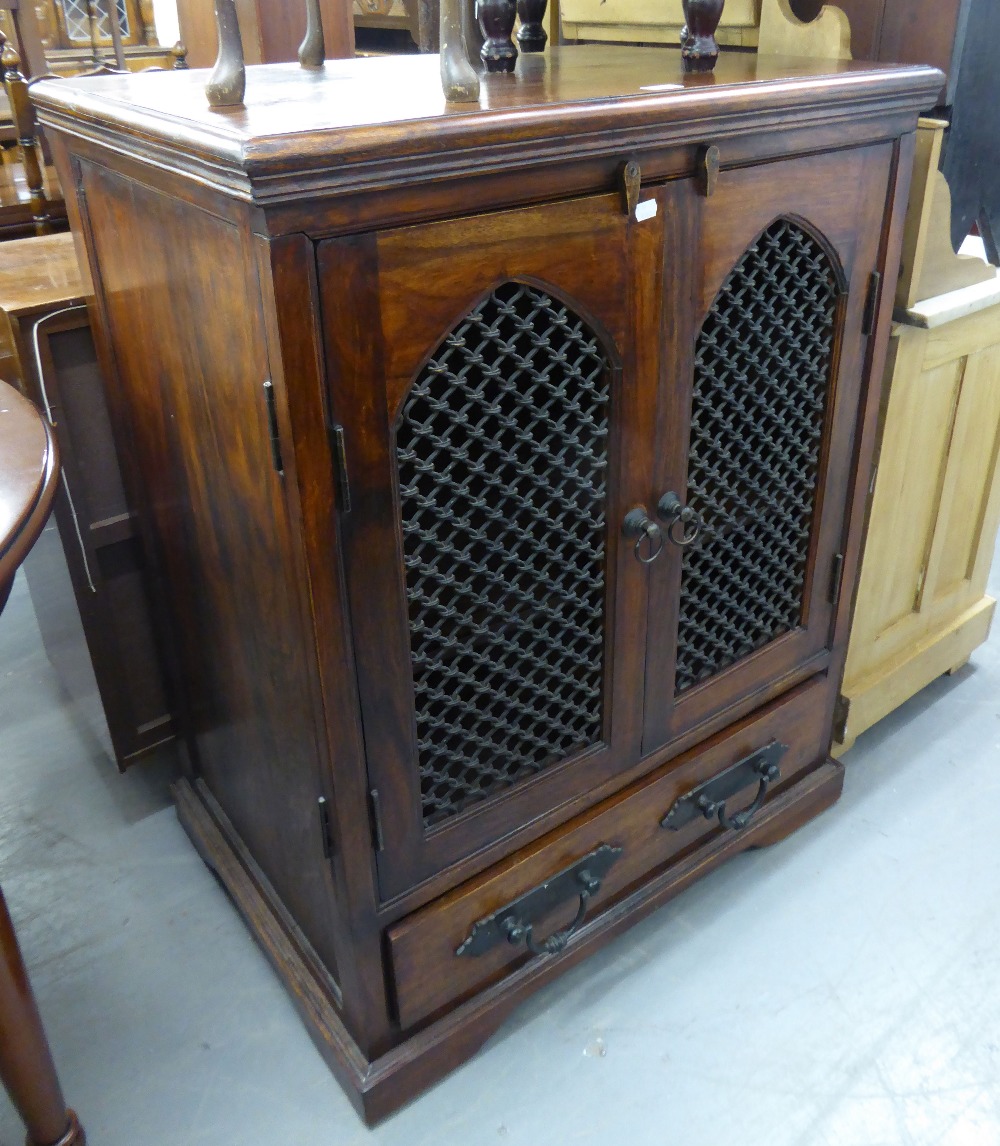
column 428, row 972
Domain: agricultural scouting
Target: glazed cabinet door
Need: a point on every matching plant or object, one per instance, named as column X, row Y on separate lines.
column 756, row 434
column 491, row 400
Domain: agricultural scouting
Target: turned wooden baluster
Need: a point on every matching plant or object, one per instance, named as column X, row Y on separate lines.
column 699, row 50
column 312, row 52
column 458, row 77
column 26, row 1067
column 116, row 36
column 532, row 35
column 227, row 84
column 472, row 32
column 25, row 125
column 496, row 18
column 179, row 52
column 29, row 475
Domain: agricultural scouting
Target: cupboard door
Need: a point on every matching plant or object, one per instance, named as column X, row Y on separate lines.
column 756, row 434
column 487, row 380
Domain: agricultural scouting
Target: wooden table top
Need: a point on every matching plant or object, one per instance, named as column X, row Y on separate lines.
column 29, row 468
column 38, row 274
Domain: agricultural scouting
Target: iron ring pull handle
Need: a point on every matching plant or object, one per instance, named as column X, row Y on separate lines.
column 670, row 511
column 518, row 931
column 639, row 525
column 736, row 823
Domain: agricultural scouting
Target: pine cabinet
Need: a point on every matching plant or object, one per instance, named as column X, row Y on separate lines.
column 504, row 470
column 653, row 22
column 922, row 606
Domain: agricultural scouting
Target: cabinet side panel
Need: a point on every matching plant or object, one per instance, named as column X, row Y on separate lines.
column 975, row 450
column 186, row 332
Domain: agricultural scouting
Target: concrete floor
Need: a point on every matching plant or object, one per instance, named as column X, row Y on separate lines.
column 842, row 988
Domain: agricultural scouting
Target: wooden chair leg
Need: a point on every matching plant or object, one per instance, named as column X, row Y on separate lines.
column 26, row 1067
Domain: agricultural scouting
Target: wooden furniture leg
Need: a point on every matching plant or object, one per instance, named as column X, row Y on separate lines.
column 29, row 473
column 26, row 1066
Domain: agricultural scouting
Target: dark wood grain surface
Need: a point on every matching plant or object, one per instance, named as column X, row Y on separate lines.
column 197, row 421
column 47, row 350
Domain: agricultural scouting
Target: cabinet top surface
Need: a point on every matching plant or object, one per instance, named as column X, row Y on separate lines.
column 353, row 112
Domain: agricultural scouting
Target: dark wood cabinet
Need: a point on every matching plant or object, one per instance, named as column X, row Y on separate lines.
column 507, row 516
column 85, row 574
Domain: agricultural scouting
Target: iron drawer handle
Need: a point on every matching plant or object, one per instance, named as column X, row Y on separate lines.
column 709, row 809
column 518, row 931
column 670, row 511
column 637, row 524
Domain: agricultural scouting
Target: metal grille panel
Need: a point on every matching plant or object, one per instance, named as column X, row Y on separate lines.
column 762, row 372
column 502, row 450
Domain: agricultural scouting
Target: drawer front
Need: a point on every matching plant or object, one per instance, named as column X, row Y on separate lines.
column 428, row 971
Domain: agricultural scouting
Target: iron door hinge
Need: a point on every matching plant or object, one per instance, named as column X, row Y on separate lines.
column 272, row 427
column 836, row 579
column 631, row 184
column 326, row 832
column 841, row 715
column 871, row 303
column 375, row 807
column 340, row 461
column 708, row 169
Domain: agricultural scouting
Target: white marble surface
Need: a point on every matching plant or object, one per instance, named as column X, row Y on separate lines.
column 842, row 988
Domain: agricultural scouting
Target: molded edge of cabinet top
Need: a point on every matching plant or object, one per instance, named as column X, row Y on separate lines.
column 340, row 127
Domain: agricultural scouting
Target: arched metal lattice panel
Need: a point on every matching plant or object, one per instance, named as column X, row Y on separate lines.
column 502, row 449
column 762, row 376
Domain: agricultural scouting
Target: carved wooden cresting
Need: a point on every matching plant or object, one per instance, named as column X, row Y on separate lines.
column 506, row 560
